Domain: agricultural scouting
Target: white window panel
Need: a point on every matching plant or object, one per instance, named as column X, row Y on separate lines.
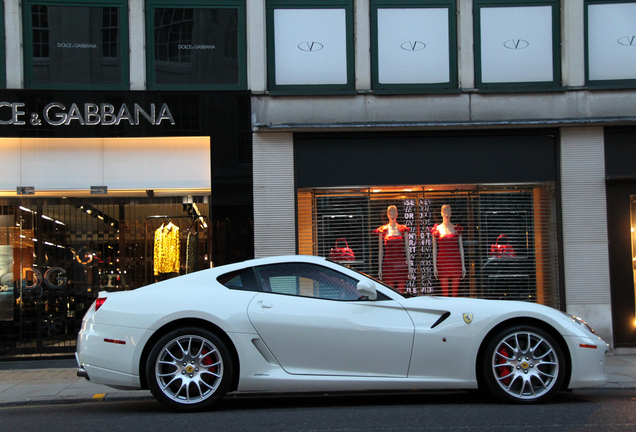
column 516, row 44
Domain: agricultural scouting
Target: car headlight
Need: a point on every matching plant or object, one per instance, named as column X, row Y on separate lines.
column 579, row 321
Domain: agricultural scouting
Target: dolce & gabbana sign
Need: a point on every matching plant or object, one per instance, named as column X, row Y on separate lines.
column 87, row 114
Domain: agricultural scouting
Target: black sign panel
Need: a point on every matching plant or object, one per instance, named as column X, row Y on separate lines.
column 76, row 114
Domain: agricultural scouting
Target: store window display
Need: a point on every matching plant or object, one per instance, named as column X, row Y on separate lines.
column 463, row 266
column 393, row 251
column 448, row 253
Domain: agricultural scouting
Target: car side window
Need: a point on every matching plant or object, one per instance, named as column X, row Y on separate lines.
column 239, row 280
column 307, row 280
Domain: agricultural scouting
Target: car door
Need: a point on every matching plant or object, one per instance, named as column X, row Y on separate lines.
column 313, row 321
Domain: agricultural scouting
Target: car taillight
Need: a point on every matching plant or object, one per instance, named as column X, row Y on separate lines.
column 99, row 302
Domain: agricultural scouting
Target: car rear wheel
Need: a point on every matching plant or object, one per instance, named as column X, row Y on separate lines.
column 189, row 369
column 523, row 364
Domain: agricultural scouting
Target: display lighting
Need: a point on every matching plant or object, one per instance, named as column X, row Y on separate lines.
column 198, row 213
column 98, row 214
column 25, row 209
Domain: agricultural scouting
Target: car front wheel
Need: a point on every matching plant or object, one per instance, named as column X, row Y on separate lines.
column 523, row 364
column 189, row 369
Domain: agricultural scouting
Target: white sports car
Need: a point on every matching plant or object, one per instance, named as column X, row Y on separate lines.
column 303, row 323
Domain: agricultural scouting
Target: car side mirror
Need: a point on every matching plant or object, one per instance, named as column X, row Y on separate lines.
column 367, row 289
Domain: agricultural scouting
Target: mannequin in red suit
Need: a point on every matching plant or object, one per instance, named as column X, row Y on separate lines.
column 448, row 253
column 393, row 251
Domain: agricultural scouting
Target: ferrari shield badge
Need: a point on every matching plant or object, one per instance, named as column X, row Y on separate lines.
column 468, row 317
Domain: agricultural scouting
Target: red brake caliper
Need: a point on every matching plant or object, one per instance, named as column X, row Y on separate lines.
column 503, row 371
column 207, row 361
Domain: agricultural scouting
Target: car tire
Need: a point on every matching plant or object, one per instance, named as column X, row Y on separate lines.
column 523, row 364
column 189, row 369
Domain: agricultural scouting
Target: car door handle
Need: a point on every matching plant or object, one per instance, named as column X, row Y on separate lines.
column 265, row 305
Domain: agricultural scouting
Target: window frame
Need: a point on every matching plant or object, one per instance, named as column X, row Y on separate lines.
column 453, row 84
column 124, row 49
column 239, row 5
column 3, row 69
column 601, row 84
column 519, row 86
column 310, row 89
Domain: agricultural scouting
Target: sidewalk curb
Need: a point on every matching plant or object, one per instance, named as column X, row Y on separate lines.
column 46, row 401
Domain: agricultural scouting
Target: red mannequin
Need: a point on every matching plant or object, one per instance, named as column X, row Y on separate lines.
column 448, row 253
column 393, row 251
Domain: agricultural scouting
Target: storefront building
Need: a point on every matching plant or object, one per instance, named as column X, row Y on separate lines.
column 110, row 182
column 93, row 191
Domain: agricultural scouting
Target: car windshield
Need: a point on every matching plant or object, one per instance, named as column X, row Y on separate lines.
column 402, row 294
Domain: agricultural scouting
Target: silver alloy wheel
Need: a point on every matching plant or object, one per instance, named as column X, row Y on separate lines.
column 525, row 365
column 189, row 369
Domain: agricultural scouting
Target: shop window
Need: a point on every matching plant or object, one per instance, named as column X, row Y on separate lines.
column 507, row 237
column 517, row 45
column 310, row 46
column 414, row 46
column 76, row 44
column 196, row 46
column 57, row 254
column 633, row 236
column 610, row 43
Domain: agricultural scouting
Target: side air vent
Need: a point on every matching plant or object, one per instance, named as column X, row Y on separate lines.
column 441, row 319
column 265, row 352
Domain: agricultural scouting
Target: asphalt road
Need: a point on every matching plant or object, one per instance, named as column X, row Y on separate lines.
column 584, row 410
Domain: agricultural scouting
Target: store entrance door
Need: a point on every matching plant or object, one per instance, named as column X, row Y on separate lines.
column 621, row 218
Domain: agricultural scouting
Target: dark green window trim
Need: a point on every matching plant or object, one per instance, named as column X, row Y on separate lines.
column 239, row 5
column 3, row 56
column 349, row 86
column 382, row 88
column 124, row 47
column 602, row 84
column 521, row 86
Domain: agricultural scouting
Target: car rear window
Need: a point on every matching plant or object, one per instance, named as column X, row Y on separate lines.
column 239, row 280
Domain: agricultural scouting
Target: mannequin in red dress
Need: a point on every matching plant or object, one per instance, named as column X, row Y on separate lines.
column 448, row 253
column 393, row 251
